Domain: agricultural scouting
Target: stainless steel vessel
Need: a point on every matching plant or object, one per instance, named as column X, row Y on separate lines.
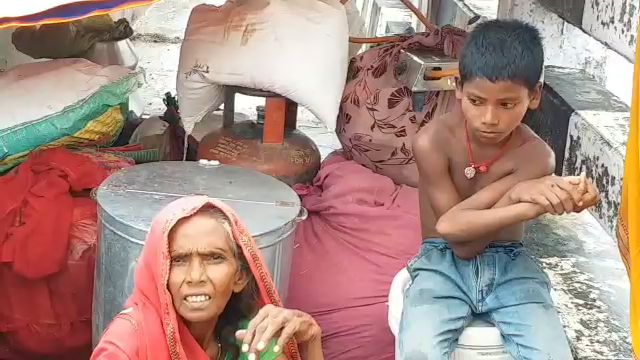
column 129, row 199
column 427, row 71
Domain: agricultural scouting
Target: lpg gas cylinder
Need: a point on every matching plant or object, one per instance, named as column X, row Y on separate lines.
column 271, row 144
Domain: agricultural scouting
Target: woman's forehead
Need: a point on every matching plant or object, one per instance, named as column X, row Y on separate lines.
column 199, row 232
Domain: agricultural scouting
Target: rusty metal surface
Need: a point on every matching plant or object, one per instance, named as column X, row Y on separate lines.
column 296, row 161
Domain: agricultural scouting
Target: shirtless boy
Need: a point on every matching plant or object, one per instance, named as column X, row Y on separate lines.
column 483, row 174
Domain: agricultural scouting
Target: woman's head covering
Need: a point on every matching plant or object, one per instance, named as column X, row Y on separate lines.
column 162, row 334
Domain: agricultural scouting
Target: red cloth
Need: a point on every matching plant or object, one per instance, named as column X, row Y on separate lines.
column 36, row 209
column 150, row 324
column 52, row 315
column 7, row 352
column 361, row 230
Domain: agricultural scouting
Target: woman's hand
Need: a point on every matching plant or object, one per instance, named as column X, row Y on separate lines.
column 276, row 322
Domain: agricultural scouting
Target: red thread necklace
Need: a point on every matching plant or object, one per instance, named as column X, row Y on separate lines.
column 474, row 168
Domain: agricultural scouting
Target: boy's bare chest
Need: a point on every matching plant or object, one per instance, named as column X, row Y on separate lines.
column 467, row 187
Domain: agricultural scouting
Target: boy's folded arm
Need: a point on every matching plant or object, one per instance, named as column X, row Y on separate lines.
column 490, row 209
column 467, row 226
column 541, row 163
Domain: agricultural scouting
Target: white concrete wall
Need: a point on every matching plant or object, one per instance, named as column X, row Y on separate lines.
column 596, row 144
column 569, row 46
column 614, row 22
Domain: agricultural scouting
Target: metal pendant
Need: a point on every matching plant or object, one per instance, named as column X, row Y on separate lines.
column 470, row 172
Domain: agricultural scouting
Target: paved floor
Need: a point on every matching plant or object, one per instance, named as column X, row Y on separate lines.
column 590, row 283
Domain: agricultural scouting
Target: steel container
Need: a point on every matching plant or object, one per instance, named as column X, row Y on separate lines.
column 129, row 199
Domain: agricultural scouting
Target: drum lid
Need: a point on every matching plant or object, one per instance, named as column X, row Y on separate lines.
column 130, row 198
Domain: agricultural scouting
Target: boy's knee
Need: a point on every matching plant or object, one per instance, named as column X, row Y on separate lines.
column 424, row 348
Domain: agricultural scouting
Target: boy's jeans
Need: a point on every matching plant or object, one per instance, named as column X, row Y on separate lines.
column 504, row 284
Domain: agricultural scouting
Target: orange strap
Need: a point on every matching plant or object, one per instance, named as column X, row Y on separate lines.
column 439, row 74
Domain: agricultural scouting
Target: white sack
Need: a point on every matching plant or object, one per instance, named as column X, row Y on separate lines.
column 295, row 48
column 34, row 91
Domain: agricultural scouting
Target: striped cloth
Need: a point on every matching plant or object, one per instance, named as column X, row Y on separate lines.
column 22, row 13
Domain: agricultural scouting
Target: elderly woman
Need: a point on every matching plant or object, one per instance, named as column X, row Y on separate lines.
column 202, row 292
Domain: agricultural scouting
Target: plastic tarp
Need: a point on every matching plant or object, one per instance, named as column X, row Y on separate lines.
column 22, row 13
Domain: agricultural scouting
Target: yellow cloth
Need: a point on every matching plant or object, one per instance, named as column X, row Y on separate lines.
column 629, row 221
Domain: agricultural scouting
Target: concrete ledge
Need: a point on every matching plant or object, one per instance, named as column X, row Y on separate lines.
column 590, row 286
column 596, row 144
column 569, row 46
column 587, row 127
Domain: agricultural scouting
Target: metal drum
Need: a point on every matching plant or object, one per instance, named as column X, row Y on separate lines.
column 129, row 199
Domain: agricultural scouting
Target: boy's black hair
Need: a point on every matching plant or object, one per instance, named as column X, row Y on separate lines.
column 503, row 50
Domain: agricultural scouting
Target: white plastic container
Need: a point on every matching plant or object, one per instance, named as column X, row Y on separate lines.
column 481, row 340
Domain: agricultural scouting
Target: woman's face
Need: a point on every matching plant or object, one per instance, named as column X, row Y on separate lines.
column 204, row 272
